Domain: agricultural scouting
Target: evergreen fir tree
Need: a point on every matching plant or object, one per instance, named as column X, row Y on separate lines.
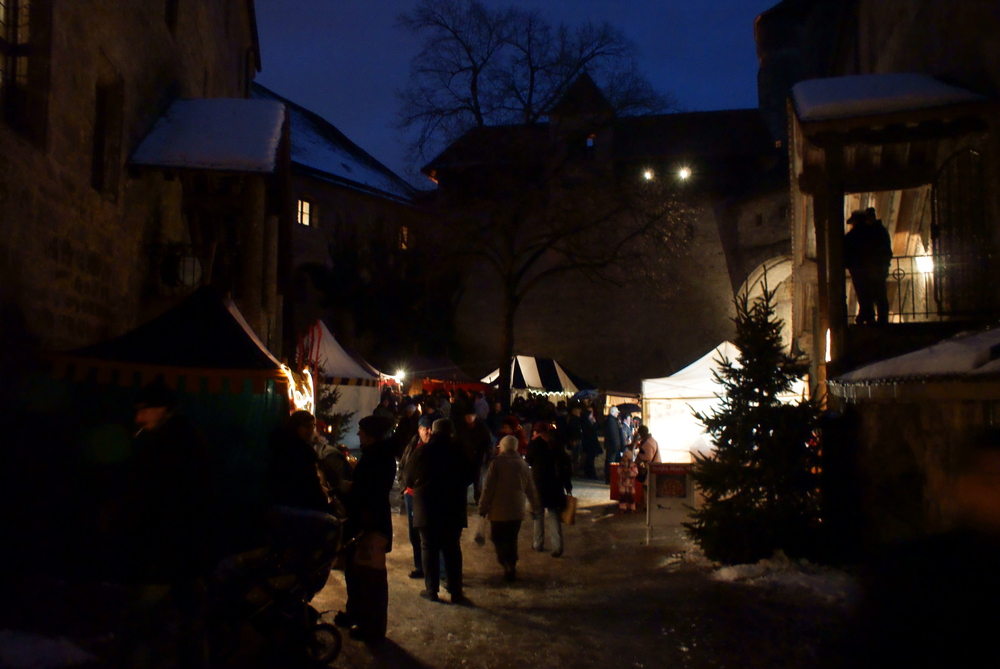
column 760, row 486
column 327, row 397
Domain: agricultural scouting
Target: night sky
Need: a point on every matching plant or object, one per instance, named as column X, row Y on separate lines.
column 344, row 59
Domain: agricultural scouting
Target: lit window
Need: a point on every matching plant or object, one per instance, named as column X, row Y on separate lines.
column 305, row 213
column 404, row 238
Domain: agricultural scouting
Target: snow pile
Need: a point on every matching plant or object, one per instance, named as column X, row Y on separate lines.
column 873, row 94
column 965, row 354
column 24, row 650
column 232, row 134
column 829, row 584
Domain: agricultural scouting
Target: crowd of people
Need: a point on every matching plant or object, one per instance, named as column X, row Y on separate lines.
column 434, row 447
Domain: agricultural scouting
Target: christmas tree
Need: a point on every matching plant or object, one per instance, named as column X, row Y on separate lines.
column 760, row 486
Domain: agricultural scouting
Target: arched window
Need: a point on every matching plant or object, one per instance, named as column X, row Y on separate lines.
column 962, row 242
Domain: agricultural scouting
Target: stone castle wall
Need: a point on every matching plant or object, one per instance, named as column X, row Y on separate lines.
column 75, row 261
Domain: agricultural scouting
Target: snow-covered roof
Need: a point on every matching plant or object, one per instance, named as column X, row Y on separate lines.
column 874, row 94
column 232, row 134
column 318, row 145
column 969, row 355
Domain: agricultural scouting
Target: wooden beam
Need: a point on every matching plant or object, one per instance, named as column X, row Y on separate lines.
column 869, row 180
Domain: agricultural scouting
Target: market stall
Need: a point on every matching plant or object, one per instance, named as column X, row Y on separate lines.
column 668, row 405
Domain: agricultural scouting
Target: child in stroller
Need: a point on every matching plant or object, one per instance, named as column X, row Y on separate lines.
column 270, row 588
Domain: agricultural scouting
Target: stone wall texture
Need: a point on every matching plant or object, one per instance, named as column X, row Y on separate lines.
column 74, row 260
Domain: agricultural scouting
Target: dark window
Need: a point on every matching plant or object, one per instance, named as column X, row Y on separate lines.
column 15, row 34
column 962, row 241
column 170, row 12
column 108, row 123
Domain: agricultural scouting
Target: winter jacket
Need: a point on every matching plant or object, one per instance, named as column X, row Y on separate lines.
column 612, row 436
column 476, row 441
column 368, row 507
column 868, row 249
column 508, row 486
column 552, row 471
column 440, row 476
column 649, row 450
column 168, row 501
column 292, row 477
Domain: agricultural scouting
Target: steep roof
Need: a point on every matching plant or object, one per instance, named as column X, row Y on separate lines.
column 710, row 135
column 320, row 150
column 583, row 97
column 495, row 145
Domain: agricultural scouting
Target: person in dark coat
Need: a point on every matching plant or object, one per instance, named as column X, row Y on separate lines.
column 590, row 445
column 439, row 475
column 292, row 477
column 612, row 441
column 573, row 436
column 369, row 526
column 418, row 441
column 406, row 428
column 476, row 442
column 168, row 503
column 868, row 255
column 552, row 471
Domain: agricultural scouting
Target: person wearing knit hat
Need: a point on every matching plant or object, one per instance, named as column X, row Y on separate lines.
column 507, row 488
column 424, row 426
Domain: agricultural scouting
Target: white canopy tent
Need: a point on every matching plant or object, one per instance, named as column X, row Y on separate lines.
column 668, row 405
column 359, row 388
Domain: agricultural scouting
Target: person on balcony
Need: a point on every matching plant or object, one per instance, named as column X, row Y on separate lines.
column 867, row 255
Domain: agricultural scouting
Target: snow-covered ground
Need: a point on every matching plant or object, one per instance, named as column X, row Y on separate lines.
column 26, row 650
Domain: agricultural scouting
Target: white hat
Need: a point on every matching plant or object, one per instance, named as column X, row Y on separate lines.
column 614, row 412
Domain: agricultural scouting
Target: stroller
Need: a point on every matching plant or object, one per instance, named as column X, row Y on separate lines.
column 270, row 589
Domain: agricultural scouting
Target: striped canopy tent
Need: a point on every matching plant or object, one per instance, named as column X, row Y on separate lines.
column 225, row 381
column 357, row 381
column 543, row 376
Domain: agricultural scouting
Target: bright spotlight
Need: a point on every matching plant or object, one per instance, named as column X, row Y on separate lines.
column 648, row 175
column 925, row 264
column 400, row 375
column 685, row 173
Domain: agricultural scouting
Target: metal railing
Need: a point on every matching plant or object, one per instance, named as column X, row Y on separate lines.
column 929, row 288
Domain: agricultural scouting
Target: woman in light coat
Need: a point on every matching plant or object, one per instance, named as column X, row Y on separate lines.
column 507, row 489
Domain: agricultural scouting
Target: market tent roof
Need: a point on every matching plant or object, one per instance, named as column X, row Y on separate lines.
column 229, row 134
column 204, row 331
column 694, row 381
column 971, row 355
column 541, row 375
column 321, row 350
column 865, row 95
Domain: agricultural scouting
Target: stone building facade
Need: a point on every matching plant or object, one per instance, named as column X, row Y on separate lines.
column 81, row 228
column 735, row 190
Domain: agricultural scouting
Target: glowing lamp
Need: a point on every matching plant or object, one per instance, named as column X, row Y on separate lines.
column 925, row 264
column 400, row 375
column 685, row 173
column 648, row 175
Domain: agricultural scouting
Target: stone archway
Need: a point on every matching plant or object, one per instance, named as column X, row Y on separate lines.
column 777, row 272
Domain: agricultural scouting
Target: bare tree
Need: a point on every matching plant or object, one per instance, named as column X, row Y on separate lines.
column 482, row 67
column 551, row 217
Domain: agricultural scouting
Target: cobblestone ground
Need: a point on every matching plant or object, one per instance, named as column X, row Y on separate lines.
column 610, row 601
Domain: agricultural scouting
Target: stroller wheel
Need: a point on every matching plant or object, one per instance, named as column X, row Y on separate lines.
column 324, row 644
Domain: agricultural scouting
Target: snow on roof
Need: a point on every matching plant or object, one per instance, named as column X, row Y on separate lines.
column 231, row 134
column 318, row 145
column 969, row 354
column 873, row 94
